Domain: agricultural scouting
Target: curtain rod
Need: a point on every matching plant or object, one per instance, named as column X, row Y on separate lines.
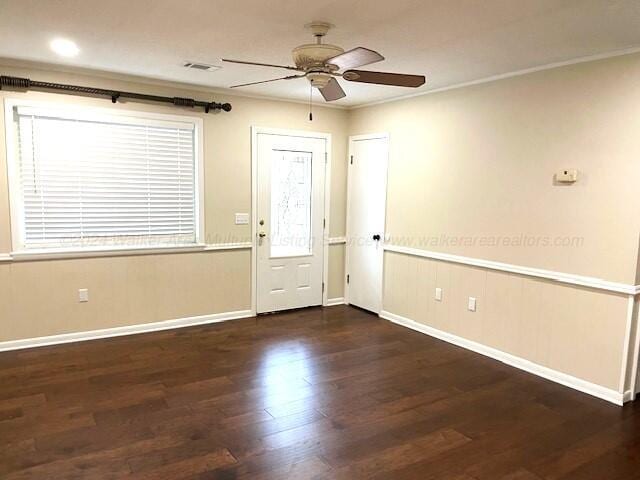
column 18, row 83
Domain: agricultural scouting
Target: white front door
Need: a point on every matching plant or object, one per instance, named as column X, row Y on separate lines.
column 367, row 193
column 290, row 221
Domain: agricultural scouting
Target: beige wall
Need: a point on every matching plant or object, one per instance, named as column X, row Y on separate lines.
column 40, row 298
column 479, row 162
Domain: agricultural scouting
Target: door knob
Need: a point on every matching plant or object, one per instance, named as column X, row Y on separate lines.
column 262, row 234
column 376, row 237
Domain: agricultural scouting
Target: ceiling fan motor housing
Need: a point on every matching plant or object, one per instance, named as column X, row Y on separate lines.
column 314, row 55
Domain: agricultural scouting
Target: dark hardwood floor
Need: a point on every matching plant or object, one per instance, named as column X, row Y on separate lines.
column 331, row 393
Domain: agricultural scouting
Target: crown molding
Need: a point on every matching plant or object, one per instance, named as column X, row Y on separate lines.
column 503, row 76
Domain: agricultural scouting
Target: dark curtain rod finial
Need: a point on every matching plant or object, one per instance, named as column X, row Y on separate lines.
column 27, row 84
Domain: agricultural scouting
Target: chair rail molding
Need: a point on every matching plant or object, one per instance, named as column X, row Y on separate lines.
column 561, row 277
column 337, row 240
column 28, row 255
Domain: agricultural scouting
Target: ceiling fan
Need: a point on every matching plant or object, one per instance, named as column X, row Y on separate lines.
column 321, row 63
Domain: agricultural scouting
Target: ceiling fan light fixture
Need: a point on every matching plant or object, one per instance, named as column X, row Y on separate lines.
column 319, row 79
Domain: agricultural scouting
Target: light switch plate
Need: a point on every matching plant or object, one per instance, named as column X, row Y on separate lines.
column 242, row 219
column 438, row 294
column 472, row 304
column 83, row 295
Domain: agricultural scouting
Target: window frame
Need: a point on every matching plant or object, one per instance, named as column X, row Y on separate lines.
column 16, row 212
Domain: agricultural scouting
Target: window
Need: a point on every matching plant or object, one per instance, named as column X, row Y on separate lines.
column 290, row 204
column 83, row 179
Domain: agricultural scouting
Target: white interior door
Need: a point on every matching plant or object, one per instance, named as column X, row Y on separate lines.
column 290, row 221
column 367, row 194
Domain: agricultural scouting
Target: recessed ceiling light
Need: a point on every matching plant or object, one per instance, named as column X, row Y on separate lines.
column 64, row 47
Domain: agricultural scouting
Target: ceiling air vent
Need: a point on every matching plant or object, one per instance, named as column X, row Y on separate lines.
column 202, row 66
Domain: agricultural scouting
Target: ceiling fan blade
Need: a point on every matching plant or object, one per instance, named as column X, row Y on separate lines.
column 384, row 78
column 288, row 77
column 355, row 58
column 242, row 62
column 333, row 91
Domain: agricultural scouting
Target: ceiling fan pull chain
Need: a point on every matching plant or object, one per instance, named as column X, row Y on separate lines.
column 311, row 101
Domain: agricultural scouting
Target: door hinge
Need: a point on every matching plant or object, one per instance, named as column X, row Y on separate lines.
column 347, row 278
column 351, row 160
column 322, row 287
column 326, row 157
column 324, row 223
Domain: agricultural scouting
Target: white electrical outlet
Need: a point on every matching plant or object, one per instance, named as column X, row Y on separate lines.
column 472, row 304
column 83, row 295
column 438, row 294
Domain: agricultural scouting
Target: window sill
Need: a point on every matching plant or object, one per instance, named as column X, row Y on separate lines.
column 53, row 254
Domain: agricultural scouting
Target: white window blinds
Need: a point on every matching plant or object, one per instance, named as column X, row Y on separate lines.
column 98, row 180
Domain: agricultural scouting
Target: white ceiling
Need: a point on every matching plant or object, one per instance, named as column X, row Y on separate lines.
column 449, row 41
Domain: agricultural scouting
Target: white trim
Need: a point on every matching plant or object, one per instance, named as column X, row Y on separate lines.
column 290, row 133
column 635, row 342
column 228, row 246
column 562, row 378
column 255, row 131
column 358, row 138
column 628, row 396
column 15, row 203
column 120, row 331
column 33, row 255
column 327, row 223
column 626, row 345
column 561, row 277
column 502, row 76
column 54, row 254
column 369, row 136
column 13, row 178
column 40, row 108
column 334, row 301
column 198, row 139
column 337, row 240
column 254, row 219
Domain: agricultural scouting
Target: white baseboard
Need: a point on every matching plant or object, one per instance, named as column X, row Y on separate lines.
column 125, row 330
column 335, row 301
column 629, row 396
column 599, row 391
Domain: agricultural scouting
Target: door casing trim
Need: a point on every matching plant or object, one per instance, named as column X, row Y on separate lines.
column 255, row 131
